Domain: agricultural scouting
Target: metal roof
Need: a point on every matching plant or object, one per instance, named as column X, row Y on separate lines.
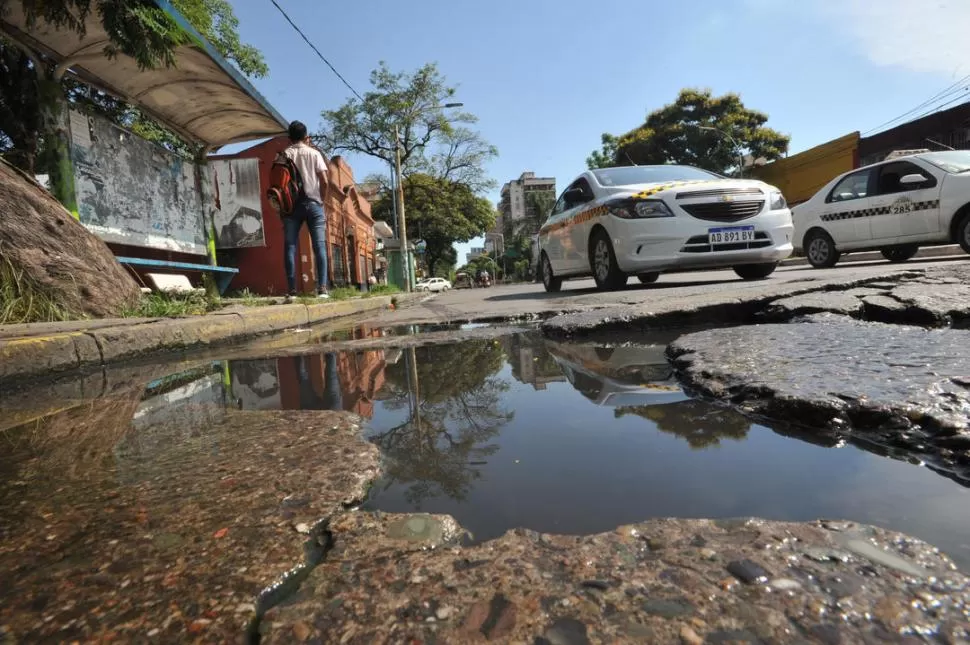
column 203, row 98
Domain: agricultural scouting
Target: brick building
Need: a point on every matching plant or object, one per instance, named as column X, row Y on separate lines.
column 351, row 245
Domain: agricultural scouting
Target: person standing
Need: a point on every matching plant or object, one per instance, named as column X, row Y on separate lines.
column 312, row 168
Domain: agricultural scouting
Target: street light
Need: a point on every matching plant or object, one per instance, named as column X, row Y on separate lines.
column 399, row 196
column 732, row 142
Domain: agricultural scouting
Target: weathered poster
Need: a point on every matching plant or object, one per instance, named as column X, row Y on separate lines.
column 131, row 191
column 238, row 214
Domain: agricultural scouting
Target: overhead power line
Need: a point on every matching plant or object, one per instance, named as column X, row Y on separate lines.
column 946, row 92
column 317, row 51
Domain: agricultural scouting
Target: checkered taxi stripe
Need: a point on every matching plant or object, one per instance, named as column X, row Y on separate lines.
column 881, row 210
column 650, row 192
column 579, row 218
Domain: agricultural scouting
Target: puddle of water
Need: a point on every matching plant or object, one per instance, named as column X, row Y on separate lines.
column 131, row 475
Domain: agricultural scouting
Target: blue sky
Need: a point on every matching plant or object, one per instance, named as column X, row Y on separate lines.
column 547, row 77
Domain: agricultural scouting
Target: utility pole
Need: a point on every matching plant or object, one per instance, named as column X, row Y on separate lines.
column 402, row 233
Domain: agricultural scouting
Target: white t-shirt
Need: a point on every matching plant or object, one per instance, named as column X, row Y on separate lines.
column 310, row 163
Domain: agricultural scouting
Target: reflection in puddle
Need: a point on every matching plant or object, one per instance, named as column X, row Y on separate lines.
column 122, row 484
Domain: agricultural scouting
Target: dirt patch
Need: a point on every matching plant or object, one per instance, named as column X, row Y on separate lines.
column 54, row 256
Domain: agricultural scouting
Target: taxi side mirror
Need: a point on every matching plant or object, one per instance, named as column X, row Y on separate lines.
column 912, row 180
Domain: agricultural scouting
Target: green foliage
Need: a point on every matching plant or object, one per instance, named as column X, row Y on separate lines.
column 411, row 103
column 675, row 134
column 605, row 157
column 538, row 205
column 453, row 400
column 169, row 304
column 440, row 212
column 218, row 24
column 137, row 28
column 22, row 301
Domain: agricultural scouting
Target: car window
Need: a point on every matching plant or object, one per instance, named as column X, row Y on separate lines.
column 584, row 186
column 887, row 181
column 854, row 186
column 560, row 205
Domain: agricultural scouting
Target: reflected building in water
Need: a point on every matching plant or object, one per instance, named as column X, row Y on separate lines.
column 347, row 381
column 530, row 361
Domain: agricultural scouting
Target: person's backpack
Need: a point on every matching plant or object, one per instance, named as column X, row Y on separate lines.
column 286, row 185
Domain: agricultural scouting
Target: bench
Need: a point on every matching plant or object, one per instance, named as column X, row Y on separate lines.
column 223, row 275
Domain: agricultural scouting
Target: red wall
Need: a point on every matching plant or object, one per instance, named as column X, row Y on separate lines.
column 348, row 214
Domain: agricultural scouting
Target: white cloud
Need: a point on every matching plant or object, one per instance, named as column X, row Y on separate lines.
column 928, row 36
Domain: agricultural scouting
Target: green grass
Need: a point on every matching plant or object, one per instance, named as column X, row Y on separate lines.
column 22, row 301
column 167, row 304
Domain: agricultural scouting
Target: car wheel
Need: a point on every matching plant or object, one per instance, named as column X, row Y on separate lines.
column 606, row 272
column 820, row 249
column 899, row 253
column 755, row 271
column 549, row 281
column 963, row 233
column 649, row 278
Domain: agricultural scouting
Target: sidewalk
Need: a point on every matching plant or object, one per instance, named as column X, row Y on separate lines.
column 29, row 351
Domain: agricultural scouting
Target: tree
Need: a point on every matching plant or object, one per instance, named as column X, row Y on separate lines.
column 675, row 134
column 538, row 205
column 137, row 28
column 606, row 156
column 411, row 103
column 453, row 398
column 440, row 212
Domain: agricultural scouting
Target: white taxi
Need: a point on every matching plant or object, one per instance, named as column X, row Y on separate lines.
column 643, row 220
column 895, row 206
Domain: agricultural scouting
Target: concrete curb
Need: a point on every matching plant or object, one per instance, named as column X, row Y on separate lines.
column 949, row 250
column 46, row 349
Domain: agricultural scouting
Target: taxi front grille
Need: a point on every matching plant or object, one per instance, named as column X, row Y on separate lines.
column 701, row 244
column 717, row 192
column 724, row 211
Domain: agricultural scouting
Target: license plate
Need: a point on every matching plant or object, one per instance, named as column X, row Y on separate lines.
column 730, row 235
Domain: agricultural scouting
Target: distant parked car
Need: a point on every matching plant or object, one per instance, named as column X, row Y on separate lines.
column 433, row 285
column 642, row 220
column 895, row 206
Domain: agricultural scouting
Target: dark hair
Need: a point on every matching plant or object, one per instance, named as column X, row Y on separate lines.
column 297, row 131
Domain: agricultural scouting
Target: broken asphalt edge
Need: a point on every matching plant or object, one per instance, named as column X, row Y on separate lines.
column 38, row 354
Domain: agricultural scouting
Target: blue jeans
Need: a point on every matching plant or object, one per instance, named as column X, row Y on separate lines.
column 312, row 213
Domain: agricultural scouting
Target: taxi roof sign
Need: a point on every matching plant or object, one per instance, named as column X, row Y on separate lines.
column 895, row 154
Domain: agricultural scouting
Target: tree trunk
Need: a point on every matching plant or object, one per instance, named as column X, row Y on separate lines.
column 55, row 158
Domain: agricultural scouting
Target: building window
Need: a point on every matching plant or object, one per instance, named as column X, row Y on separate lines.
column 337, row 262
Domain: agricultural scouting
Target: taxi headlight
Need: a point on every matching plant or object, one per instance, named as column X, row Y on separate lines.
column 640, row 209
column 776, row 201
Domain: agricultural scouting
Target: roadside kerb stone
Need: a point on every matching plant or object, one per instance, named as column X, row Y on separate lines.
column 24, row 357
column 39, row 353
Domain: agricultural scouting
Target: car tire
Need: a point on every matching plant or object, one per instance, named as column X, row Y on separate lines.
column 820, row 249
column 899, row 253
column 649, row 278
column 755, row 271
column 602, row 262
column 551, row 283
column 963, row 233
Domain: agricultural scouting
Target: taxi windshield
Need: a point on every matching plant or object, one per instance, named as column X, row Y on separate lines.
column 955, row 161
column 630, row 175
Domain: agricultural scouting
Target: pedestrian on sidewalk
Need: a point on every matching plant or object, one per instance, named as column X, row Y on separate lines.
column 312, row 168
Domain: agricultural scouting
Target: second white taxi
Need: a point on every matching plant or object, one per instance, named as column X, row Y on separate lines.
column 612, row 223
column 897, row 205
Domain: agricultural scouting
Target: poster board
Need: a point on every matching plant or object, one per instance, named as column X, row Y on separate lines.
column 238, row 215
column 131, row 191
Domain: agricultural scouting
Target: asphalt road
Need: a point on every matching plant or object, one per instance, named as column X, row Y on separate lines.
column 581, row 295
